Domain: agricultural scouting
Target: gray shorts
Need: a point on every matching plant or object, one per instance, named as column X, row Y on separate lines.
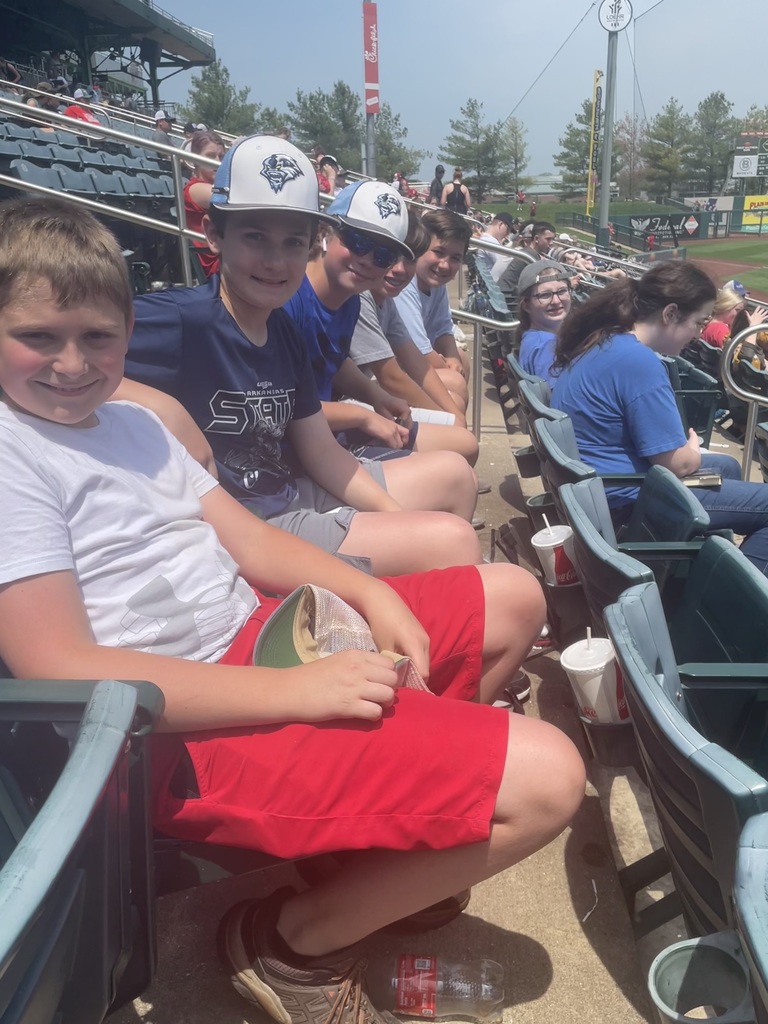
column 318, row 516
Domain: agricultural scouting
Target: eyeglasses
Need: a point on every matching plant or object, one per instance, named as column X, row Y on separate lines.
column 361, row 244
column 547, row 298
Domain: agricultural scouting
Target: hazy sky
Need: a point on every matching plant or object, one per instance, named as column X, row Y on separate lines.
column 435, row 54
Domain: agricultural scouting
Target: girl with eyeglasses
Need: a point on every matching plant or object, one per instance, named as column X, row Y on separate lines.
column 624, row 412
column 545, row 301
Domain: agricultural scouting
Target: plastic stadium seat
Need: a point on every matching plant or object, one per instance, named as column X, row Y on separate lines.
column 64, row 138
column 9, row 151
column 91, row 157
column 75, row 182
column 534, row 396
column 38, row 152
column 48, row 177
column 751, row 908
column 668, row 524
column 702, row 794
column 106, row 183
column 18, row 131
column 76, row 886
column 65, row 155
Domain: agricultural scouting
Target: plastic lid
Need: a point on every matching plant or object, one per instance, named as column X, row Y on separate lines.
column 549, row 538
column 578, row 657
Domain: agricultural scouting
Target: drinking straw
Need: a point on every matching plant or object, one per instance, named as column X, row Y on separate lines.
column 546, row 523
column 589, row 638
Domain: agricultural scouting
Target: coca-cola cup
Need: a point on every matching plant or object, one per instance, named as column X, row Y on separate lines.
column 554, row 547
column 596, row 681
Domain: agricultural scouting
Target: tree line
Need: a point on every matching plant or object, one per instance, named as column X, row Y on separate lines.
column 493, row 155
column 672, row 152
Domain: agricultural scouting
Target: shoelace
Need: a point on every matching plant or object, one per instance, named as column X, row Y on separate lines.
column 352, row 986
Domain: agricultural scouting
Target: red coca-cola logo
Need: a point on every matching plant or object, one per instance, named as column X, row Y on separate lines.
column 588, row 712
column 564, row 571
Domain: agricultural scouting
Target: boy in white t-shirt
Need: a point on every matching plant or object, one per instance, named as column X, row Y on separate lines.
column 135, row 564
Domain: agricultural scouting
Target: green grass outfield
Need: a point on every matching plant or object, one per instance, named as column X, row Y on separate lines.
column 745, row 250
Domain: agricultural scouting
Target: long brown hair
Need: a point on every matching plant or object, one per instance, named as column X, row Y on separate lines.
column 617, row 308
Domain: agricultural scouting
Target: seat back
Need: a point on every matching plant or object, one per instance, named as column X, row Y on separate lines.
column 516, row 373
column 702, row 794
column 761, row 437
column 77, row 182
column 534, row 396
column 555, row 444
column 48, row 177
column 665, row 510
column 605, row 572
column 76, row 895
column 751, row 908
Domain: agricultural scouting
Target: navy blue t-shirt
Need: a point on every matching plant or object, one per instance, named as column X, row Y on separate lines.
column 327, row 333
column 622, row 407
column 242, row 397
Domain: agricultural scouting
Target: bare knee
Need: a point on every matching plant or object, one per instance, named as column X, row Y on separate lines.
column 454, row 542
column 544, row 780
column 515, row 609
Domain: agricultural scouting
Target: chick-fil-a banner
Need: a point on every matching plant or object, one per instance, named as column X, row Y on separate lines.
column 371, row 55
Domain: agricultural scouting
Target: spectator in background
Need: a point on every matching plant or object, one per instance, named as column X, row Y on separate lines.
column 456, row 197
column 545, row 301
column 163, row 122
column 533, row 209
column 9, row 73
column 536, row 239
column 497, row 232
column 78, row 112
column 45, row 100
column 520, row 197
column 436, row 187
column 327, row 167
column 728, row 305
column 197, row 194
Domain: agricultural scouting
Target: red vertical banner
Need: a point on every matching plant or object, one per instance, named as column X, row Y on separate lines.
column 371, row 58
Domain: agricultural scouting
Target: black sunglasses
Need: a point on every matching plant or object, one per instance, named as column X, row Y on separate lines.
column 361, row 244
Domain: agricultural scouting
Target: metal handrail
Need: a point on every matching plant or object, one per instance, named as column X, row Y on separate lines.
column 753, row 400
column 637, row 269
column 176, row 155
column 477, row 356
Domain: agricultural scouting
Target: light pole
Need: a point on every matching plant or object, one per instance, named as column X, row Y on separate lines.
column 614, row 16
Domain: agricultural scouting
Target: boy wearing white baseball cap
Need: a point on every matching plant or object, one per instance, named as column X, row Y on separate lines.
column 354, row 257
column 240, row 367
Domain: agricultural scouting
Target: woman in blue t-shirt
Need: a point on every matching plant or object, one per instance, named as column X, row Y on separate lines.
column 616, row 391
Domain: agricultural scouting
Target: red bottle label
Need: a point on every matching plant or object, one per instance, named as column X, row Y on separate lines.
column 416, row 985
column 564, row 571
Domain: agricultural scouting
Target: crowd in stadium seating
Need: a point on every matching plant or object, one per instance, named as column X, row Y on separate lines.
column 266, row 435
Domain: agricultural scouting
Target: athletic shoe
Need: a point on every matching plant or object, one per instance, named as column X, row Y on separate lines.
column 478, row 522
column 519, row 687
column 326, row 990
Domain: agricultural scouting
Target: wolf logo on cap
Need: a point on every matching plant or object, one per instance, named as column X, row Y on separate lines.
column 388, row 204
column 278, row 169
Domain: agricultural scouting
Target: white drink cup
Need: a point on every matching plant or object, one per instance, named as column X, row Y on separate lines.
column 596, row 681
column 554, row 547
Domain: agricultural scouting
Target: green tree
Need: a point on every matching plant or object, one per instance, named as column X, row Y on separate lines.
column 515, row 153
column 215, row 101
column 477, row 147
column 666, row 148
column 708, row 153
column 332, row 120
column 629, row 135
column 573, row 158
column 391, row 152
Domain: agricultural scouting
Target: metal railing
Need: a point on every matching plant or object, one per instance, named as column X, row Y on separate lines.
column 754, row 400
column 173, row 153
column 477, row 357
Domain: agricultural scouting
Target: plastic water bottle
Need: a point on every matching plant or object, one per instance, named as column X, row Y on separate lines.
column 428, row 986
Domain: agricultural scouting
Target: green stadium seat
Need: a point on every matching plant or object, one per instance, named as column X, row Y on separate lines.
column 751, row 908
column 702, row 794
column 48, row 177
column 77, row 926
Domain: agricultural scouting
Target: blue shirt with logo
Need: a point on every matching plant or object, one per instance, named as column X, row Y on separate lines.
column 242, row 397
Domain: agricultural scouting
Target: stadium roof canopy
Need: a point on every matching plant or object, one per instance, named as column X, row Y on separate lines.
column 87, row 25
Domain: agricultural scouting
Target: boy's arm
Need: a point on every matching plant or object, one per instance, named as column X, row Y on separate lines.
column 201, row 695
column 173, row 415
column 445, row 345
column 418, row 366
column 393, row 377
column 334, row 468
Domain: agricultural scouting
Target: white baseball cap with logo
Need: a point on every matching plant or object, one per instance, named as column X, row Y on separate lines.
column 376, row 209
column 262, row 172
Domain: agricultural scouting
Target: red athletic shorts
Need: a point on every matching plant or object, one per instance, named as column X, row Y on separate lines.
column 425, row 776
